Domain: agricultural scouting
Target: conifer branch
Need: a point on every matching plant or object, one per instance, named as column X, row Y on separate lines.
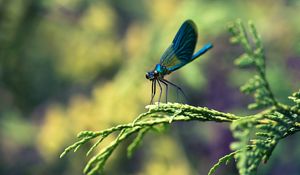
column 157, row 116
column 259, row 133
column 254, row 56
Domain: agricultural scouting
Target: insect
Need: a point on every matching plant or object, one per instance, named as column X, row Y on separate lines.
column 178, row 54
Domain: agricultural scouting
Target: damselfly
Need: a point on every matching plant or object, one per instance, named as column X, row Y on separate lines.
column 178, row 54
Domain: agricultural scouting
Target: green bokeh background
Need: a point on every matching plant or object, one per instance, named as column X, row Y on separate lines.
column 72, row 65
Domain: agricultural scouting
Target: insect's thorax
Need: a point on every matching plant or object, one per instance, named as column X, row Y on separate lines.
column 162, row 70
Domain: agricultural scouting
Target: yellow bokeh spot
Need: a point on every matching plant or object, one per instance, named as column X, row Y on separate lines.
column 54, row 134
column 164, row 161
column 100, row 17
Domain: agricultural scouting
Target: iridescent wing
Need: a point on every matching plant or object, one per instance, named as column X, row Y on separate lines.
column 180, row 52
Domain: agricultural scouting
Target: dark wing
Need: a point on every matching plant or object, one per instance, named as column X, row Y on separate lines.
column 182, row 48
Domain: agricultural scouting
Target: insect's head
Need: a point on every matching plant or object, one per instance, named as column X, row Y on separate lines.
column 152, row 75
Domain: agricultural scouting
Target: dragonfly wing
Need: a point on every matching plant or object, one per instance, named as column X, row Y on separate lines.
column 182, row 48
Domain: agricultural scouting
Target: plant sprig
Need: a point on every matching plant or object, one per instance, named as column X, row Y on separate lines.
column 254, row 56
column 156, row 116
column 260, row 134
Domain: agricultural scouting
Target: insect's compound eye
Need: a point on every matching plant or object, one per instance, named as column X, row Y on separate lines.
column 155, row 73
column 147, row 75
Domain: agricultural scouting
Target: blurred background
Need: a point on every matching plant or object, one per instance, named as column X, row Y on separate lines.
column 73, row 65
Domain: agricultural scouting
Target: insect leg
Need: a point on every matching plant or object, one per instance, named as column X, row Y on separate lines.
column 153, row 91
column 167, row 88
column 160, row 91
column 177, row 87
